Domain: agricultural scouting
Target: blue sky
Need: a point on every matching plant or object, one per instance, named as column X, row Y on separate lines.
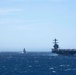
column 33, row 24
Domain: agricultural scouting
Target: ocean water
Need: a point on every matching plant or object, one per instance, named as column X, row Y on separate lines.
column 35, row 63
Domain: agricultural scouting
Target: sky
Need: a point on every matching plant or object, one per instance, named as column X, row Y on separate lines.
column 33, row 24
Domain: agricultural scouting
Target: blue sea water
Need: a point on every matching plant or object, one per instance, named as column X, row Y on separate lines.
column 35, row 63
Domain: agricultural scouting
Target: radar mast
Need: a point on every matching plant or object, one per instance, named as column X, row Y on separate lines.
column 56, row 46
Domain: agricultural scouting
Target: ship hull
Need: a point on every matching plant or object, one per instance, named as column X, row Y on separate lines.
column 64, row 51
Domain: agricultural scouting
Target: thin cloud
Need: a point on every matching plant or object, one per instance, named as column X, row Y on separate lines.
column 23, row 27
column 18, row 21
column 7, row 11
column 11, row 21
column 31, row 0
column 18, row 27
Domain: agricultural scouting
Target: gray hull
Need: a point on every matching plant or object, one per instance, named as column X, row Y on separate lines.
column 64, row 51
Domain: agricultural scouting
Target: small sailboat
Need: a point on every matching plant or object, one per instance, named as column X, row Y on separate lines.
column 24, row 51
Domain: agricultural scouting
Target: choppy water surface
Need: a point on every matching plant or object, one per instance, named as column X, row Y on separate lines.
column 36, row 64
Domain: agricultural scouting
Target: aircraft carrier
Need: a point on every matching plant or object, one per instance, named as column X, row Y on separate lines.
column 62, row 51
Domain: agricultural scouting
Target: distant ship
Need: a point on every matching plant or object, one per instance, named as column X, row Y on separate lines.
column 24, row 51
column 62, row 51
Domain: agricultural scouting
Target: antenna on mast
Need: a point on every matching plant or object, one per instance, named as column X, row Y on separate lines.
column 56, row 46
